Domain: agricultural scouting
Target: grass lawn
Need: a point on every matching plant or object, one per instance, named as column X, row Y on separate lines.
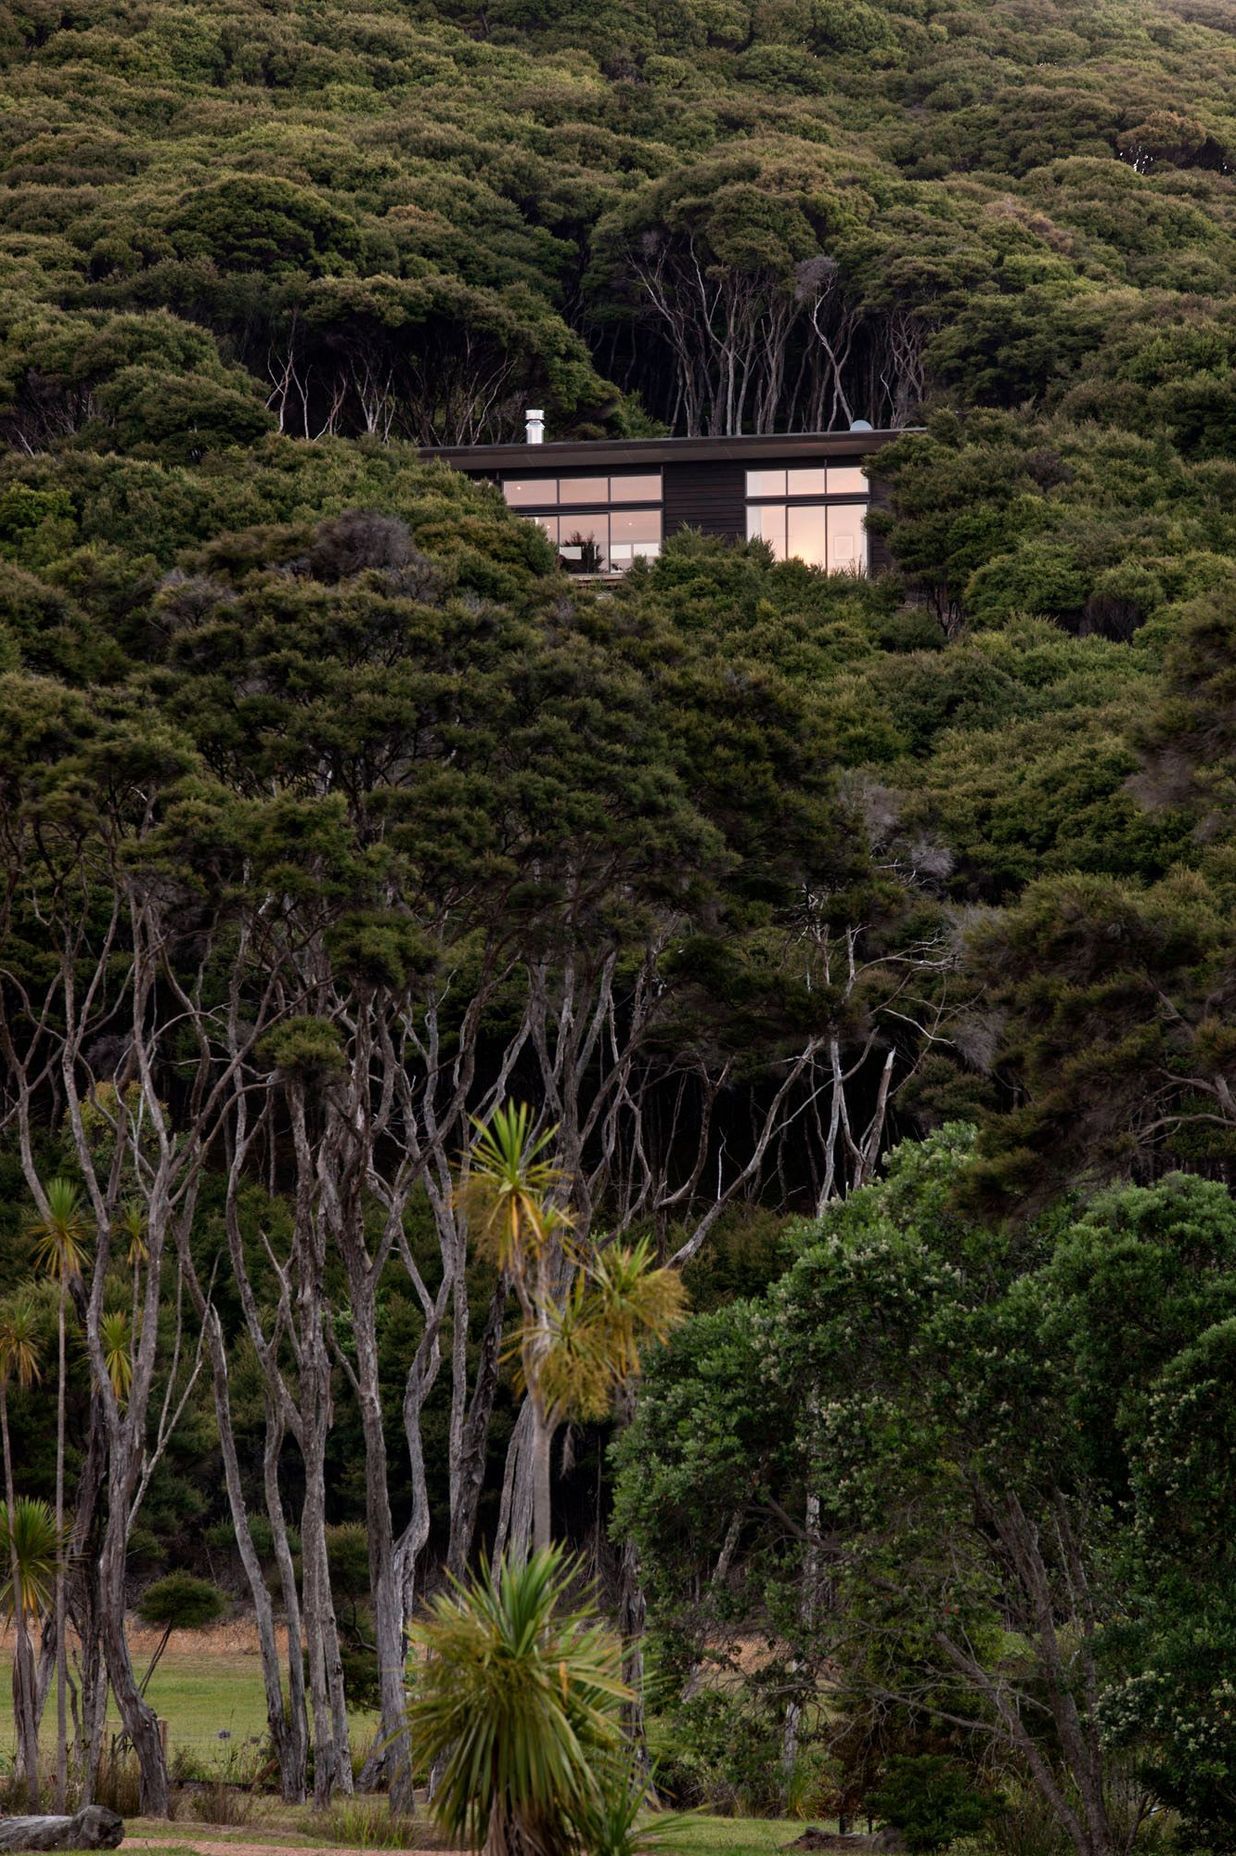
column 736, row 1836
column 702, row 1836
column 213, row 1704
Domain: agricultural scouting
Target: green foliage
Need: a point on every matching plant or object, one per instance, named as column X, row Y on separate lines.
column 307, row 1050
column 30, row 1548
column 254, row 650
column 930, row 1801
column 947, row 1392
column 181, row 1601
column 520, row 1694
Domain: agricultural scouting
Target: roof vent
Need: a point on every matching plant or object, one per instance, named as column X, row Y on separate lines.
column 534, row 420
column 861, row 425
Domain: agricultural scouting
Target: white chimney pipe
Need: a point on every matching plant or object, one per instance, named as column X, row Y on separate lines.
column 534, row 419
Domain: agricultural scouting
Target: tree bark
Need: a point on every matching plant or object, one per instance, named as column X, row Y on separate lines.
column 23, row 1652
column 62, row 1664
column 388, row 1612
column 515, row 1510
column 135, row 1711
column 470, row 1468
column 540, row 1443
column 85, row 1546
column 93, row 1828
column 332, row 1763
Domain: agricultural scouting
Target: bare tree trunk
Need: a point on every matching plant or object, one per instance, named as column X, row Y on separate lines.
column 540, row 1442
column 470, row 1468
column 332, row 1762
column 285, row 1719
column 296, row 1737
column 62, row 1663
column 23, row 1652
column 515, row 1510
column 137, row 1714
column 388, row 1611
column 632, row 1617
column 85, row 1544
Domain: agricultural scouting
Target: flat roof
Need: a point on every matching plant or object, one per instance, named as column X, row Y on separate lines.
column 662, row 450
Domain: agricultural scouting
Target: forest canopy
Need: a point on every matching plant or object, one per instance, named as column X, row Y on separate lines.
column 855, row 955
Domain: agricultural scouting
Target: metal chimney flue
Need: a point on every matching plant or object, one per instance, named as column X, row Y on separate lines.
column 534, row 420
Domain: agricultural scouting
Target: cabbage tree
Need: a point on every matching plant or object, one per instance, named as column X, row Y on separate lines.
column 520, row 1695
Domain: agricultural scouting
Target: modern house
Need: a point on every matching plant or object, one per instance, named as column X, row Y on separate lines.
column 607, row 502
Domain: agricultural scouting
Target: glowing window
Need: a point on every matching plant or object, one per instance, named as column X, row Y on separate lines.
column 846, row 480
column 808, row 482
column 636, row 489
column 583, row 543
column 765, row 483
column 766, row 522
column 526, row 492
column 807, row 539
column 634, row 534
column 583, row 490
column 847, row 538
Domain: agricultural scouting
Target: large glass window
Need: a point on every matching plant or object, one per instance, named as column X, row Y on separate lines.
column 828, row 535
column 794, row 510
column 806, row 539
column 583, row 492
column 529, row 492
column 598, row 541
column 847, row 480
column 636, row 488
column 812, row 482
column 847, row 538
column 766, row 522
column 633, row 534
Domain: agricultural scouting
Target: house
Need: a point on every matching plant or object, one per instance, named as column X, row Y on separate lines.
column 607, row 502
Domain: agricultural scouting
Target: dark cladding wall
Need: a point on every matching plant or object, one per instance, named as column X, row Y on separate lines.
column 879, row 559
column 708, row 497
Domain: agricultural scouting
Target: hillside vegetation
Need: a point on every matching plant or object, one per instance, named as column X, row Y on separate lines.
column 865, row 950
column 412, row 221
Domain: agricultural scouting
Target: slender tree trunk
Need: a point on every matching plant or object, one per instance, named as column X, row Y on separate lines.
column 470, row 1470
column 23, row 1652
column 294, row 1768
column 632, row 1616
column 285, row 1719
column 540, row 1444
column 388, row 1614
column 85, row 1545
column 137, row 1714
column 62, row 1665
column 332, row 1769
column 515, row 1510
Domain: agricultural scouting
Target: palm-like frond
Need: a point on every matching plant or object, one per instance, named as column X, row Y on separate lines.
column 633, row 1301
column 569, row 1358
column 62, row 1235
column 592, row 1344
column 117, row 1353
column 19, row 1343
column 617, row 1822
column 521, row 1694
column 507, row 1187
column 35, row 1543
column 131, row 1230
